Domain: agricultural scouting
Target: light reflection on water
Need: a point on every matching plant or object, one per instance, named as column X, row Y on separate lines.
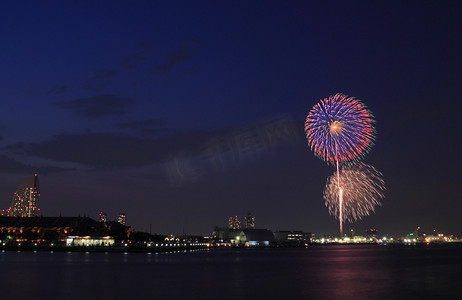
column 319, row 272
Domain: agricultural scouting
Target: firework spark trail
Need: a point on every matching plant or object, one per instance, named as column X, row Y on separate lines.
column 362, row 189
column 340, row 201
column 340, row 130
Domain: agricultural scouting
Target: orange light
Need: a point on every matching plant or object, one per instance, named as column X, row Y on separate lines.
column 335, row 127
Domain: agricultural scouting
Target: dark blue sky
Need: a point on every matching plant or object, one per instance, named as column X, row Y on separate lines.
column 181, row 114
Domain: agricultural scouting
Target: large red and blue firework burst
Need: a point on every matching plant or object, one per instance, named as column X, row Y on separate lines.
column 340, row 129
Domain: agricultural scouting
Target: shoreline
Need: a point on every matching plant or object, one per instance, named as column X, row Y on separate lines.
column 136, row 249
column 107, row 249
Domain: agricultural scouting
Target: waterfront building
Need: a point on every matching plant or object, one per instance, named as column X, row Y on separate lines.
column 244, row 237
column 292, row 238
column 249, row 221
column 121, row 218
column 25, row 201
column 234, row 223
column 44, row 228
column 254, row 238
column 60, row 229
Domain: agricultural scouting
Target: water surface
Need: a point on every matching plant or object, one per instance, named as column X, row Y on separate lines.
column 317, row 272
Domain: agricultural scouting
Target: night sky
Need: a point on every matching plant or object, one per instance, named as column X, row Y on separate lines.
column 183, row 113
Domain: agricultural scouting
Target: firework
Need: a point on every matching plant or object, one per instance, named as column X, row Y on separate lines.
column 362, row 188
column 340, row 129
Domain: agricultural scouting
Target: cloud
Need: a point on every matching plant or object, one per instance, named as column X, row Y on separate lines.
column 113, row 151
column 97, row 106
column 145, row 49
column 15, row 148
column 100, row 80
column 141, row 124
column 108, row 151
column 170, row 62
column 190, row 42
column 9, row 165
column 57, row 90
column 150, row 126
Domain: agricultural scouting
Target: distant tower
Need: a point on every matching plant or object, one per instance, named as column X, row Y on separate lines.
column 234, row 223
column 25, row 201
column 121, row 218
column 102, row 217
column 249, row 221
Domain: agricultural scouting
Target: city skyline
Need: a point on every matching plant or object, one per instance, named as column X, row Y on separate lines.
column 26, row 199
column 181, row 114
column 25, row 204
